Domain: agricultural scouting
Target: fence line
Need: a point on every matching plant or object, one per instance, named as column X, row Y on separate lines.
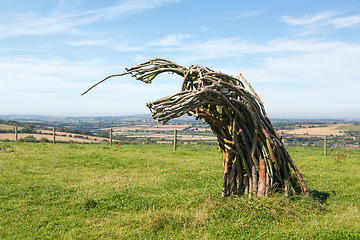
column 176, row 139
column 110, row 136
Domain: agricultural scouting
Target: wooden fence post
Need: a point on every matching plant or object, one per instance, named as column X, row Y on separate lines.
column 110, row 136
column 54, row 140
column 16, row 134
column 175, row 139
column 325, row 146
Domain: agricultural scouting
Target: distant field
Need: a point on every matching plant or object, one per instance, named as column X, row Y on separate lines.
column 349, row 127
column 150, row 127
column 60, row 136
column 78, row 191
column 194, row 137
column 164, row 133
column 318, row 131
column 188, row 133
column 155, row 132
column 7, row 127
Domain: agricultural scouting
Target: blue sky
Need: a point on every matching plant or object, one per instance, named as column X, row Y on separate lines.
column 301, row 56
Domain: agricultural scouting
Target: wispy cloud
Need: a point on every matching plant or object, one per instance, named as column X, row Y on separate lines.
column 341, row 22
column 321, row 18
column 131, row 7
column 29, row 23
column 318, row 22
column 319, row 70
column 93, row 42
column 248, row 14
column 122, row 45
column 170, row 40
column 126, row 46
column 32, row 74
column 320, row 60
column 305, row 61
column 334, row 64
column 53, row 86
column 238, row 47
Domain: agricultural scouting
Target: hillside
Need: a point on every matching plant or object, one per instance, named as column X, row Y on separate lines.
column 32, row 132
column 72, row 191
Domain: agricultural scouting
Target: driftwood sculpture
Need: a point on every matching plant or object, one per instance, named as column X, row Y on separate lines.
column 255, row 159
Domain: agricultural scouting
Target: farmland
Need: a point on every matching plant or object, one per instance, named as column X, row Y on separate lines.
column 47, row 136
column 137, row 191
column 143, row 129
column 129, row 129
column 317, row 130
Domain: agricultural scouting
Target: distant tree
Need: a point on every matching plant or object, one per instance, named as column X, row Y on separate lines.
column 44, row 139
column 28, row 128
column 104, row 134
column 29, row 138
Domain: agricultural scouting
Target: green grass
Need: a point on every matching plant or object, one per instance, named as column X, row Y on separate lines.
column 5, row 127
column 151, row 192
column 349, row 127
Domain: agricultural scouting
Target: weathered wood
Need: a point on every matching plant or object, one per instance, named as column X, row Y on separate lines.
column 111, row 133
column 325, row 146
column 175, row 139
column 262, row 178
column 16, row 134
column 54, row 136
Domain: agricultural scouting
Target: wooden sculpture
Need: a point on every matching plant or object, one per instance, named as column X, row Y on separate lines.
column 255, row 159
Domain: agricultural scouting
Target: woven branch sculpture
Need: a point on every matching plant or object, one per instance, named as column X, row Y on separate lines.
column 255, row 159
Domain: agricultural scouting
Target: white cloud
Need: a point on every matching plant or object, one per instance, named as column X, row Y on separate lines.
column 220, row 48
column 291, row 76
column 18, row 24
column 29, row 24
column 170, row 40
column 348, row 21
column 55, row 74
column 322, row 76
column 306, row 60
column 321, row 83
column 248, row 14
column 238, row 48
column 121, row 46
column 317, row 23
column 125, row 46
column 132, row 7
column 327, row 66
column 53, row 86
column 94, row 42
column 308, row 19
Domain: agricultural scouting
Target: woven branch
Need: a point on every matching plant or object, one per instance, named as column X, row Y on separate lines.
column 255, row 159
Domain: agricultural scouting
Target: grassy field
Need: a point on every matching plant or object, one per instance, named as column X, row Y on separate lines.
column 70, row 191
column 350, row 127
column 6, row 127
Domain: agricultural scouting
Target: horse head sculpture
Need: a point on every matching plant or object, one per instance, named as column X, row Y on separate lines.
column 255, row 159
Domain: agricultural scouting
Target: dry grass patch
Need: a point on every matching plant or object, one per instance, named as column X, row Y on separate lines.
column 333, row 129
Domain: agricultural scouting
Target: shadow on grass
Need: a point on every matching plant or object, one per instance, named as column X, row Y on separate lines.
column 322, row 197
column 90, row 203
